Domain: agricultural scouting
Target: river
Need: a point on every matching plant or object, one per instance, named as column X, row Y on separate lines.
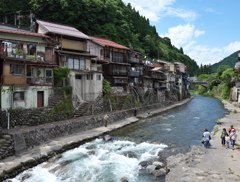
column 100, row 161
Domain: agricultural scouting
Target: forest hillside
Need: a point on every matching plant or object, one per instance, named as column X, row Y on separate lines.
column 229, row 61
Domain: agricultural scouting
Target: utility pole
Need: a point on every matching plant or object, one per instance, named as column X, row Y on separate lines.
column 19, row 17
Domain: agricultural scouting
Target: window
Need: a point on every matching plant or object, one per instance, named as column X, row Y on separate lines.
column 79, row 77
column 99, row 77
column 49, row 75
column 70, row 63
column 16, row 69
column 18, row 96
column 117, row 57
column 89, row 77
column 77, row 63
column 82, row 64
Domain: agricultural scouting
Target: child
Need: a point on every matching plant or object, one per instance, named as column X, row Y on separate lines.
column 227, row 140
column 224, row 132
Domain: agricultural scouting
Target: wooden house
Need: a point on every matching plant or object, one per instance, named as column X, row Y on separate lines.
column 72, row 52
column 26, row 68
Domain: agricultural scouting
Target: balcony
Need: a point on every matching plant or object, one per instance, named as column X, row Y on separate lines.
column 134, row 60
column 133, row 73
column 120, row 73
column 27, row 52
column 47, row 81
column 14, row 80
column 26, row 80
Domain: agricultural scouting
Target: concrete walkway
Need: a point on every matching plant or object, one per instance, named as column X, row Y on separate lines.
column 216, row 164
column 13, row 165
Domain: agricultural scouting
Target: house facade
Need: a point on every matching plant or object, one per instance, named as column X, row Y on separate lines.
column 72, row 52
column 26, row 67
column 114, row 59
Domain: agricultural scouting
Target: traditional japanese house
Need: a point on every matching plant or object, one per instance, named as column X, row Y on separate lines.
column 115, row 62
column 72, row 52
column 146, row 79
column 182, row 78
column 26, row 68
column 134, row 58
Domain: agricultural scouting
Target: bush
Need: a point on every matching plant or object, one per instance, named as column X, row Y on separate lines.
column 67, row 89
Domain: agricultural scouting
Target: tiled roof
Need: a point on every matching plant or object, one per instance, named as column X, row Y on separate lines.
column 106, row 42
column 22, row 33
column 62, row 29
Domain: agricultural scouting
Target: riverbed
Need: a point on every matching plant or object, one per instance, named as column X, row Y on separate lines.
column 111, row 162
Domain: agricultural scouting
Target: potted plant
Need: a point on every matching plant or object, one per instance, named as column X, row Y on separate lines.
column 19, row 52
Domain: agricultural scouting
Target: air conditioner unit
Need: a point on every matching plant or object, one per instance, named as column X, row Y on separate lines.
column 88, row 69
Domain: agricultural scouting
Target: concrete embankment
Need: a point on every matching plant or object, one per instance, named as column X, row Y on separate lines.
column 12, row 166
column 216, row 164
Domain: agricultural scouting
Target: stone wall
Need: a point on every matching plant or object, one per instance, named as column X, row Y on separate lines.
column 6, row 147
column 37, row 135
column 31, row 117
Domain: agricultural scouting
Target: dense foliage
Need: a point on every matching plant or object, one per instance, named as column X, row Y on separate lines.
column 219, row 83
column 229, row 61
column 110, row 19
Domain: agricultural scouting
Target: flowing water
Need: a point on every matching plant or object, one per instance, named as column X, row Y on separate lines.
column 101, row 161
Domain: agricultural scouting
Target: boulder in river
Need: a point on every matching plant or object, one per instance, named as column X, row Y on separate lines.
column 144, row 164
column 124, row 179
column 150, row 168
column 130, row 154
column 159, row 172
column 107, row 138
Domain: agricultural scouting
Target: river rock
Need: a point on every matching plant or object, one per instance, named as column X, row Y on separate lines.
column 151, row 168
column 130, row 154
column 158, row 164
column 144, row 164
column 124, row 180
column 107, row 138
column 91, row 152
column 25, row 177
column 158, row 173
column 91, row 147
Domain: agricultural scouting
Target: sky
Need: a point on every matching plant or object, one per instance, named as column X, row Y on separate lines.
column 207, row 30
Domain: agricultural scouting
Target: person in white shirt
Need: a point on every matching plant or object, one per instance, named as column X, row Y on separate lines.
column 233, row 137
column 206, row 138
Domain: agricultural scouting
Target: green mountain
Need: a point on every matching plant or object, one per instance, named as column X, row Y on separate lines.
column 111, row 19
column 229, row 61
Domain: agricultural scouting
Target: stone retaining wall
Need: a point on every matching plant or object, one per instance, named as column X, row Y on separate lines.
column 6, row 147
column 33, row 136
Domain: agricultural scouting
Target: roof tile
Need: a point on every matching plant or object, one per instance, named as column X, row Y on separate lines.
column 62, row 29
column 106, row 42
column 22, row 33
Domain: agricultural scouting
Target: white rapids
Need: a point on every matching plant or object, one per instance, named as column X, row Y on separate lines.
column 96, row 161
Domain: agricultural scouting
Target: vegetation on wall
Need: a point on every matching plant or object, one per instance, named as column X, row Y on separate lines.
column 219, row 83
column 63, row 106
column 110, row 19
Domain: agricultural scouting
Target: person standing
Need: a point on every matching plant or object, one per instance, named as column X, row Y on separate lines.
column 223, row 135
column 206, row 138
column 231, row 129
column 233, row 137
column 105, row 120
column 227, row 140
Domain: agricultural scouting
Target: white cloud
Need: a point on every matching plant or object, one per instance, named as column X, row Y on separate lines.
column 156, row 9
column 211, row 10
column 205, row 55
column 187, row 15
column 183, row 34
column 198, row 32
